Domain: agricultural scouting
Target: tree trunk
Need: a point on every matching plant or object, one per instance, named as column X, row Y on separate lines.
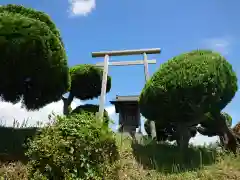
column 221, row 141
column 183, row 137
column 67, row 103
column 236, row 135
column 227, row 138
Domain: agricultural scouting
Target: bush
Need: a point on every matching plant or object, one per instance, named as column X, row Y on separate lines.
column 78, row 146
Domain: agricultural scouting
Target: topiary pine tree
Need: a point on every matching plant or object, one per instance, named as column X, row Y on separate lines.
column 91, row 108
column 33, row 63
column 185, row 88
column 86, row 83
column 31, row 13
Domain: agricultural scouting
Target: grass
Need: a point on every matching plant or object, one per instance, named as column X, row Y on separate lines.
column 13, row 171
column 171, row 160
column 151, row 161
column 147, row 160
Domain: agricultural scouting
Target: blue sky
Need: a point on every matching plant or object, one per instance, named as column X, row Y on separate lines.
column 174, row 26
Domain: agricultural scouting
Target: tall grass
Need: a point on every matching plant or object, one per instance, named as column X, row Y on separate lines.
column 148, row 160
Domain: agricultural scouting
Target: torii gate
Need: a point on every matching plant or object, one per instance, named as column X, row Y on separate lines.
column 106, row 63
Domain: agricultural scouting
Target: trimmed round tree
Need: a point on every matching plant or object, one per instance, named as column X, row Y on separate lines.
column 31, row 13
column 33, row 63
column 185, row 88
column 86, row 83
column 91, row 108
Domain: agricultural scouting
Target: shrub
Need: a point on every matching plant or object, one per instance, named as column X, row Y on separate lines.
column 77, row 146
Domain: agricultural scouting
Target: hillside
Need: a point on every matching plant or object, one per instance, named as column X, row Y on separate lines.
column 149, row 161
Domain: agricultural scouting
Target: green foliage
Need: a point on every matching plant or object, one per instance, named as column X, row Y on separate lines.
column 31, row 13
column 13, row 140
column 210, row 122
column 87, row 81
column 168, row 159
column 212, row 126
column 76, row 147
column 228, row 118
column 33, row 61
column 91, row 108
column 187, row 85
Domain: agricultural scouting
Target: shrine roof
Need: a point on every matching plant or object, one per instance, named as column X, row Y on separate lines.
column 132, row 98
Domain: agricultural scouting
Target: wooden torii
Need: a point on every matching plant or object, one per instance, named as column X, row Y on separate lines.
column 106, row 64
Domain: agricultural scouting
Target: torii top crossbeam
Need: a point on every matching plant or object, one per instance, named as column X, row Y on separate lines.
column 126, row 52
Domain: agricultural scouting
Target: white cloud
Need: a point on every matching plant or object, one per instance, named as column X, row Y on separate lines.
column 81, row 7
column 10, row 112
column 201, row 140
column 221, row 45
column 111, row 110
column 114, row 116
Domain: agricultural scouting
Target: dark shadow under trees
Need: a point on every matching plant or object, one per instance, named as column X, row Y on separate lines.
column 167, row 158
